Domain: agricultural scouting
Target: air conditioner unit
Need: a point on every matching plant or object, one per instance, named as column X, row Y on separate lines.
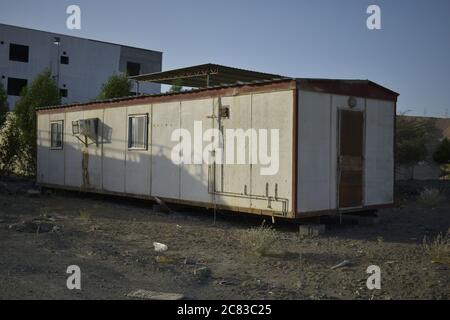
column 86, row 127
column 89, row 127
column 75, row 127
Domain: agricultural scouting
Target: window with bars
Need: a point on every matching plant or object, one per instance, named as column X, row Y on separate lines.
column 56, row 134
column 137, row 132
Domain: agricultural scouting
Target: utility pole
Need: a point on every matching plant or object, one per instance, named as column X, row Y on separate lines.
column 57, row 42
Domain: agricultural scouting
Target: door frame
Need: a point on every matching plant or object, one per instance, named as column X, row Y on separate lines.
column 338, row 152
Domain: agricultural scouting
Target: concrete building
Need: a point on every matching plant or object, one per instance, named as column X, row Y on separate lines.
column 336, row 143
column 80, row 66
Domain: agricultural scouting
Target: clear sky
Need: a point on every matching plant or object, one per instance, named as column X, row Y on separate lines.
column 325, row 39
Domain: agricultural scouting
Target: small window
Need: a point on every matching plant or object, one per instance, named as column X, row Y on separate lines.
column 15, row 86
column 64, row 60
column 137, row 132
column 63, row 93
column 18, row 52
column 56, row 132
column 133, row 68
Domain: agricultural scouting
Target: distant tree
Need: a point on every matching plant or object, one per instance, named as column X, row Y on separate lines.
column 116, row 86
column 177, row 85
column 442, row 153
column 412, row 137
column 42, row 92
column 3, row 104
column 442, row 157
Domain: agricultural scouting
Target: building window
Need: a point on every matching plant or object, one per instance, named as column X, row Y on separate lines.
column 56, row 133
column 137, row 132
column 64, row 60
column 18, row 52
column 15, row 86
column 63, row 93
column 133, row 68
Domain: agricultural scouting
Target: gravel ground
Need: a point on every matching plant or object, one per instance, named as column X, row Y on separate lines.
column 111, row 240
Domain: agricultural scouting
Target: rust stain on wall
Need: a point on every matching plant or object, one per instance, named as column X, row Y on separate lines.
column 85, row 167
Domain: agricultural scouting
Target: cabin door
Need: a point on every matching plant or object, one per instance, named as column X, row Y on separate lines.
column 350, row 160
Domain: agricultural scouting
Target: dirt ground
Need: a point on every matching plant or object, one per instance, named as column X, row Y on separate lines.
column 111, row 240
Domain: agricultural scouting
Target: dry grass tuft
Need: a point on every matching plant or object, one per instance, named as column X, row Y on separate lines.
column 259, row 240
column 85, row 215
column 439, row 248
column 430, row 197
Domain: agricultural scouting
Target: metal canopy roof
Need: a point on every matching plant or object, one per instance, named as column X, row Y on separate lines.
column 206, row 75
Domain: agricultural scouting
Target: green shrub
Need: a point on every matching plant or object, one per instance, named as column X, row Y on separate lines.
column 42, row 92
column 3, row 105
column 11, row 148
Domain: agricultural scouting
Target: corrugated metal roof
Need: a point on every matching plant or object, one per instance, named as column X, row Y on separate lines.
column 143, row 96
column 206, row 75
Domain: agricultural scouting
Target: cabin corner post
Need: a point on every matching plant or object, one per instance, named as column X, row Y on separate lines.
column 394, row 192
column 295, row 150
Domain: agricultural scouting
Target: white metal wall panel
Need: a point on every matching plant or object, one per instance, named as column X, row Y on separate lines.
column 43, row 147
column 114, row 149
column 273, row 111
column 95, row 152
column 379, row 182
column 194, row 177
column 236, row 177
column 56, row 157
column 138, row 162
column 73, row 149
column 165, row 174
column 315, row 148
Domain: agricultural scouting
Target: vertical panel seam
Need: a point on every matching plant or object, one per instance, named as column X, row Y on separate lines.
column 125, row 151
column 179, row 165
column 150, row 140
column 64, row 147
column 251, row 150
column 330, row 190
column 102, row 144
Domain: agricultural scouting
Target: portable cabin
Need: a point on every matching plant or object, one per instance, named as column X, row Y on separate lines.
column 335, row 150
